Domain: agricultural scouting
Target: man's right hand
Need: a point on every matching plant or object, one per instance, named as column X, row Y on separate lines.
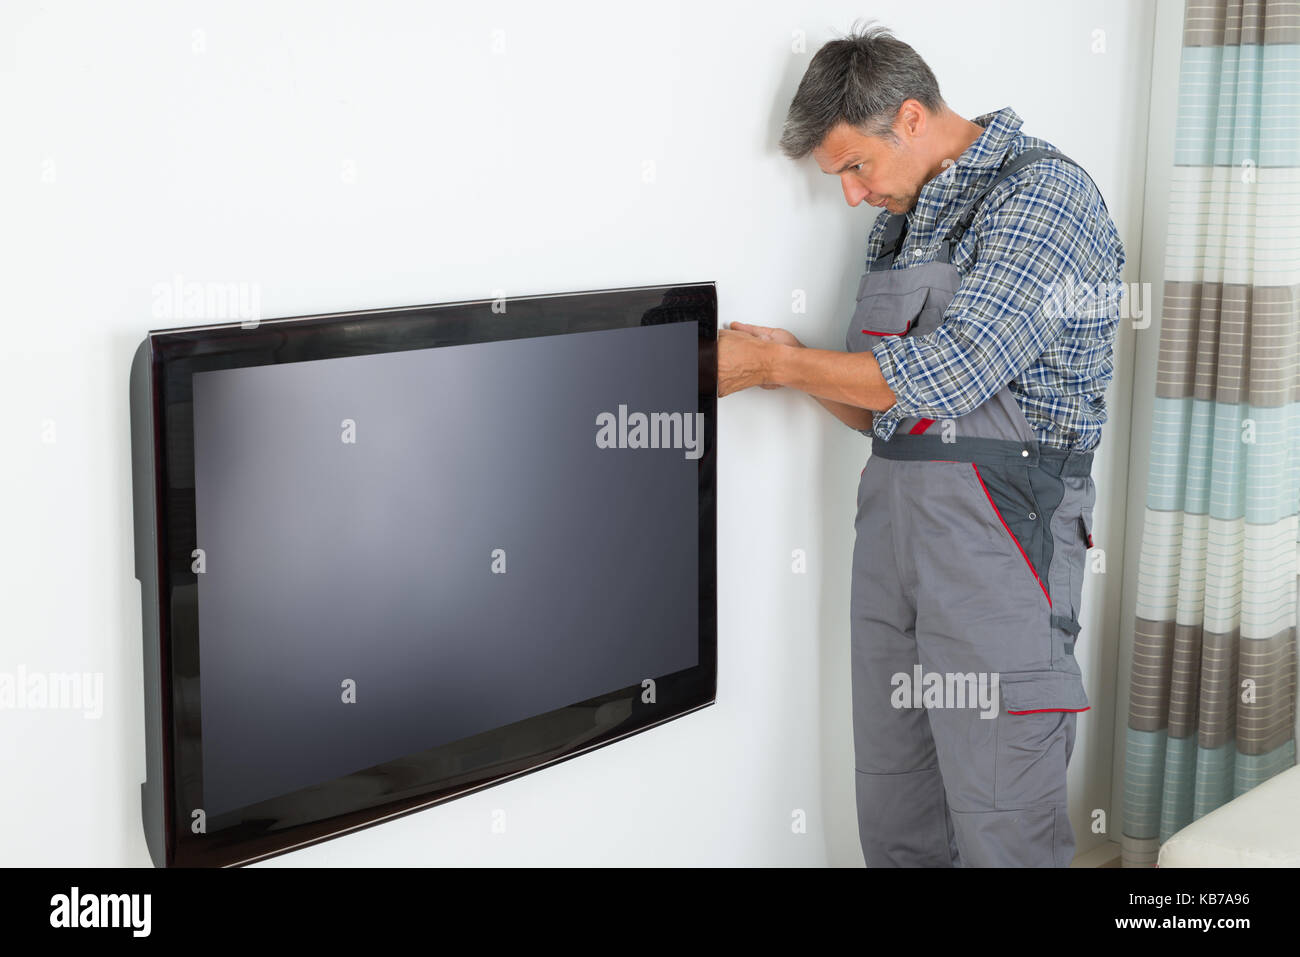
column 772, row 334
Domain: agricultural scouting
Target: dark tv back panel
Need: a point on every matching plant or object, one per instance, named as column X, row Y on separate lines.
column 249, row 751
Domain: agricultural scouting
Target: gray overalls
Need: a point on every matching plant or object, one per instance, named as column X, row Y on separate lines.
column 968, row 562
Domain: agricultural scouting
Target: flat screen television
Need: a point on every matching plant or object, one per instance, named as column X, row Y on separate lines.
column 388, row 558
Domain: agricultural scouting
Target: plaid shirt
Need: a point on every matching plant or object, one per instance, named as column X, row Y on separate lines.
column 1045, row 224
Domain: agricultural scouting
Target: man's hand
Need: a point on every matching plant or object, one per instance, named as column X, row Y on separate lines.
column 771, row 334
column 742, row 361
column 849, row 384
column 744, row 358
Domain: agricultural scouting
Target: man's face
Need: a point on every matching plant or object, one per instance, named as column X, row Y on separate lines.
column 884, row 174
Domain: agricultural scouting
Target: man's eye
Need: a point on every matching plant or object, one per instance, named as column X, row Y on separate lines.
column 859, row 167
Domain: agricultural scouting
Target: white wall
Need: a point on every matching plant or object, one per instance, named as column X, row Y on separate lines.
column 360, row 156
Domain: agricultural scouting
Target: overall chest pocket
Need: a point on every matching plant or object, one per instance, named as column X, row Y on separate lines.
column 885, row 312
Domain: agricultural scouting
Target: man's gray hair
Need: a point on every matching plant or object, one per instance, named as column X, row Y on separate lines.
column 861, row 79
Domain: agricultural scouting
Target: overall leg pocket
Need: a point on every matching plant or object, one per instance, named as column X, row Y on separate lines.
column 1035, row 737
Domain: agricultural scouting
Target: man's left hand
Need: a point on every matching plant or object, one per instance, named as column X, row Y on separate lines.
column 744, row 360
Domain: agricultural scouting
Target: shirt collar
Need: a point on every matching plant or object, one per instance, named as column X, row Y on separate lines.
column 982, row 157
column 1000, row 128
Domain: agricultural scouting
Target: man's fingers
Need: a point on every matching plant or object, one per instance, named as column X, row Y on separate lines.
column 760, row 332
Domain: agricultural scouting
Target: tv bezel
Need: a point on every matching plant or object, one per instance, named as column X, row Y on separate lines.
column 162, row 442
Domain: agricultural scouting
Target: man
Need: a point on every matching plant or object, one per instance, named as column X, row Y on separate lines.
column 977, row 359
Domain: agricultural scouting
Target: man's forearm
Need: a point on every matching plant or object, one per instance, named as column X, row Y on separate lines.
column 850, row 415
column 849, row 378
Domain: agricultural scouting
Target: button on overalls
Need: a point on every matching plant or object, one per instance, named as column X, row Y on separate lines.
column 968, row 562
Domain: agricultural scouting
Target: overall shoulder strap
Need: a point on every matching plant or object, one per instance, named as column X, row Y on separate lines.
column 891, row 242
column 1008, row 168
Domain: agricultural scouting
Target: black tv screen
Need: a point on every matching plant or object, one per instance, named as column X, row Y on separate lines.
column 391, row 557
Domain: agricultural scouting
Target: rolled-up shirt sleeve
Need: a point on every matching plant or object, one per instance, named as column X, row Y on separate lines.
column 1006, row 312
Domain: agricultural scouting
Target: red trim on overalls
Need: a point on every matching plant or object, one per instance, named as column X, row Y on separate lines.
column 1044, row 710
column 998, row 512
column 872, row 332
column 921, row 426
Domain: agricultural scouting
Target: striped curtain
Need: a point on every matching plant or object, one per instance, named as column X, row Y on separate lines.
column 1212, row 707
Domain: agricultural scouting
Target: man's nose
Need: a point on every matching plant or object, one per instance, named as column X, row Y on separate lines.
column 854, row 192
